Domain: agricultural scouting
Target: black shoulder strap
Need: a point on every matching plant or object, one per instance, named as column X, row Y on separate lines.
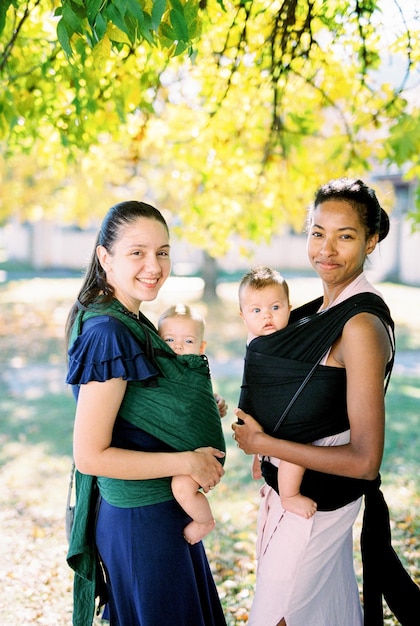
column 310, row 333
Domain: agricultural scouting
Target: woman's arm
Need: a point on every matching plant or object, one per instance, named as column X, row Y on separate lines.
column 97, row 407
column 363, row 350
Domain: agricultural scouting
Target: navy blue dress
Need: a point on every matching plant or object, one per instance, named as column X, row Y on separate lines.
column 154, row 577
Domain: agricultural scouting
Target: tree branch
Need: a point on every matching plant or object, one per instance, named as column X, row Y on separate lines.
column 15, row 34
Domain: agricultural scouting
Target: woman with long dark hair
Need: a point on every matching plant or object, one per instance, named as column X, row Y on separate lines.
column 135, row 428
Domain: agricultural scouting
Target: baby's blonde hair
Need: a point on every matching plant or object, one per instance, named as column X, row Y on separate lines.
column 183, row 311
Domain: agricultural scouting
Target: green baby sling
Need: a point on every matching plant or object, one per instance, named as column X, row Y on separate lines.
column 178, row 407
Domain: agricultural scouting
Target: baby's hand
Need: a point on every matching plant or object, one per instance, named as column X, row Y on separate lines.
column 221, row 405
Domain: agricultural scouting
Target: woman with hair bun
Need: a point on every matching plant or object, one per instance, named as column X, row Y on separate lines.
column 328, row 371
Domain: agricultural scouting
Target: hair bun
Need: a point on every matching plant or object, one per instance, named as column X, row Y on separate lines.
column 383, row 225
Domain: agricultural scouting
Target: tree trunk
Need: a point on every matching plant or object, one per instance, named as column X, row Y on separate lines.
column 209, row 273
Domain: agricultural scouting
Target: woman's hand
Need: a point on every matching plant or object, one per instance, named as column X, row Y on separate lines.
column 221, row 405
column 206, row 469
column 247, row 434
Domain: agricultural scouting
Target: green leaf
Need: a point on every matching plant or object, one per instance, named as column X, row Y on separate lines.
column 179, row 25
column 166, row 31
column 158, row 10
column 193, row 19
column 72, row 20
column 100, row 27
column 92, row 10
column 118, row 20
column 181, row 46
column 63, row 37
column 177, row 5
column 136, row 11
column 139, row 22
column 4, row 5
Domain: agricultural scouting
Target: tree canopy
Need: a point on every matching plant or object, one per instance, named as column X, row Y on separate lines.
column 227, row 113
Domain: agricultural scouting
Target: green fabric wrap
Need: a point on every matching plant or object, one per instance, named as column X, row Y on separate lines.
column 82, row 556
column 180, row 411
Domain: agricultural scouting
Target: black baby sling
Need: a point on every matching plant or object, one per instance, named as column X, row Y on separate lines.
column 292, row 397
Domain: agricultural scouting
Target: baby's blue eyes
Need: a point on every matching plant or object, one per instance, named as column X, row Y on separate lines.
column 275, row 307
column 171, row 340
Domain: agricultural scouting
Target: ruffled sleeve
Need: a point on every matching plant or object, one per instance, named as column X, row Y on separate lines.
column 106, row 349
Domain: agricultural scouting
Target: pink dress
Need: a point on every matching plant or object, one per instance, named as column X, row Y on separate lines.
column 305, row 571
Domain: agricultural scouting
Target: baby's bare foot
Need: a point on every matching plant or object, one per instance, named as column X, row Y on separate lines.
column 300, row 505
column 196, row 531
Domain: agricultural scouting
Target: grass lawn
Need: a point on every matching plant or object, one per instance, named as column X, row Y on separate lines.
column 36, row 417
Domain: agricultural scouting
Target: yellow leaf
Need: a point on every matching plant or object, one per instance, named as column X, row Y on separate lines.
column 115, row 34
column 101, row 52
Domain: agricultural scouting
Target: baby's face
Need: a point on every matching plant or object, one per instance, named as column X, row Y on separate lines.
column 182, row 335
column 264, row 310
